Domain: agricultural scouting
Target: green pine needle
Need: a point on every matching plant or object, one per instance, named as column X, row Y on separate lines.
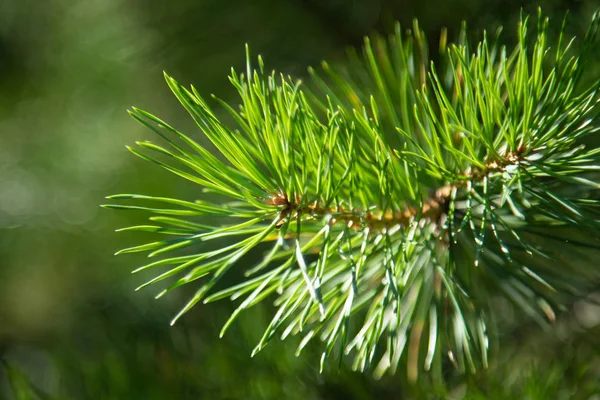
column 399, row 197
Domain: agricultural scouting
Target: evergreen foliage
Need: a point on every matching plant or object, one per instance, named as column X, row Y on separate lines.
column 400, row 198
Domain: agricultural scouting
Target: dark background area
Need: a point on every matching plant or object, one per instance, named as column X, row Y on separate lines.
column 71, row 325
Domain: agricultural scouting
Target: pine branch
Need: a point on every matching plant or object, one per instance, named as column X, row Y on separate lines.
column 400, row 197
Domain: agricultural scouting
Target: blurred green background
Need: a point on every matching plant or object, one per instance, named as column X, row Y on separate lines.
column 71, row 326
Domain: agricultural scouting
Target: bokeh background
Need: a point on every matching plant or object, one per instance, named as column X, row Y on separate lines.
column 71, row 325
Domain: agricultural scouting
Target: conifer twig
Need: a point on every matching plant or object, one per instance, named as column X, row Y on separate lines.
column 400, row 198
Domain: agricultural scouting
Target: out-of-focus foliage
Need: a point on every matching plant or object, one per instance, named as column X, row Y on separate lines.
column 70, row 324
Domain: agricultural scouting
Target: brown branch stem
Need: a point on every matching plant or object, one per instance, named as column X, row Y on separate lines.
column 433, row 210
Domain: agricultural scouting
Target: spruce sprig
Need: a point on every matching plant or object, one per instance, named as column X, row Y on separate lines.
column 399, row 197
